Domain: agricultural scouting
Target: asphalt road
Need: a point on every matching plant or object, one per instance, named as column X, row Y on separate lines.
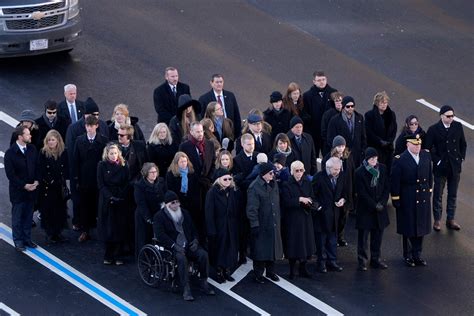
column 411, row 49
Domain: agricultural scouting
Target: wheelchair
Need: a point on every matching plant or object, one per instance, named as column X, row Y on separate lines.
column 157, row 266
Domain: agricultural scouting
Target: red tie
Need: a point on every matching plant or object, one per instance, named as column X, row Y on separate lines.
column 219, row 100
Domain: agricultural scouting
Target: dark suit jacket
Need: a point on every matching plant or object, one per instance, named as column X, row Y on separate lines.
column 243, row 166
column 304, row 152
column 165, row 102
column 63, row 110
column 20, row 170
column 231, row 108
column 166, row 233
column 205, row 168
column 265, row 147
column 85, row 160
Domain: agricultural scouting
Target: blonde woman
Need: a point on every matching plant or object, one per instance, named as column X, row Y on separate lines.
column 53, row 171
column 112, row 182
column 121, row 115
column 188, row 111
column 161, row 148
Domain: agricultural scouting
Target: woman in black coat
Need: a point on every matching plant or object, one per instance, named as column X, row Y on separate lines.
column 411, row 127
column 372, row 187
column 53, row 171
column 120, row 116
column 112, row 182
column 297, row 200
column 223, row 204
column 149, row 195
column 276, row 115
column 161, row 148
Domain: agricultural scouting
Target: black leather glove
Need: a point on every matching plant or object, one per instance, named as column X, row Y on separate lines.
column 379, row 207
column 178, row 248
column 193, row 245
column 396, row 203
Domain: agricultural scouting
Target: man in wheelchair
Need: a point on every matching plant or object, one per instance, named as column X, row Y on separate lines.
column 174, row 230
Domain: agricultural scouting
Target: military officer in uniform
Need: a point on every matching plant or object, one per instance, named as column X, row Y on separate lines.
column 411, row 182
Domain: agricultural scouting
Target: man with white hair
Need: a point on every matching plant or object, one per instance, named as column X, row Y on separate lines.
column 329, row 193
column 70, row 108
column 174, row 230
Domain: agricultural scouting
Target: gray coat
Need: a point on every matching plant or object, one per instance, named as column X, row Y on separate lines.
column 263, row 212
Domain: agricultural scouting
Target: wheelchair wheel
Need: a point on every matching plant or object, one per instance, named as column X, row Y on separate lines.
column 152, row 268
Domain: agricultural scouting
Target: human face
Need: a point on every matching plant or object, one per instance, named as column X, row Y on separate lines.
column 183, row 163
column 447, row 117
column 283, row 146
column 268, row 176
column 414, row 149
column 298, row 173
column 123, row 137
column 218, row 110
column 248, row 145
column 152, row 175
column 71, row 95
column 188, row 110
column 225, row 181
column 335, row 170
column 277, row 105
column 340, row 149
column 256, row 128
column 51, row 114
column 113, row 154
column 295, row 95
column 320, row 81
column 297, row 129
column 27, row 124
column 197, row 132
column 338, row 104
column 25, row 137
column 172, row 77
column 52, row 142
column 173, row 205
column 225, row 161
column 120, row 117
column 349, row 108
column 372, row 161
column 162, row 133
column 382, row 105
column 413, row 125
column 217, row 84
column 91, row 129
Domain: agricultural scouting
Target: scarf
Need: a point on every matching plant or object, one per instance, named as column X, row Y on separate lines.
column 50, row 123
column 286, row 153
column 374, row 172
column 184, row 179
column 199, row 145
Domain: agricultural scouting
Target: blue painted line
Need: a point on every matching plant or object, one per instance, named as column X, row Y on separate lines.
column 74, row 276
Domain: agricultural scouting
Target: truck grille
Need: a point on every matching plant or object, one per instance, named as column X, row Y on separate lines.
column 30, row 24
column 41, row 8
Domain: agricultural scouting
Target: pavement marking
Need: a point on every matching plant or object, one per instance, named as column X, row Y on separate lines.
column 2, row 154
column 8, row 119
column 8, row 310
column 75, row 277
column 435, row 108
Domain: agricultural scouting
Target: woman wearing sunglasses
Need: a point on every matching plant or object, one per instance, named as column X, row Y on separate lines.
column 411, row 127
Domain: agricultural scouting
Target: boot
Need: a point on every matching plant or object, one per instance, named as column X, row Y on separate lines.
column 303, row 271
column 228, row 276
column 220, row 276
column 292, row 269
column 187, row 295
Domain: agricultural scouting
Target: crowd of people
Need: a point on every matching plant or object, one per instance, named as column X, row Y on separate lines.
column 211, row 187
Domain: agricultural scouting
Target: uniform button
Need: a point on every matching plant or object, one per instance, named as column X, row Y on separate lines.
column 417, row 191
column 417, row 202
column 417, row 180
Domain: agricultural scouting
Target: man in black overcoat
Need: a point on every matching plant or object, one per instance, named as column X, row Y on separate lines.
column 20, row 168
column 174, row 230
column 303, row 146
column 226, row 99
column 165, row 96
column 263, row 140
column 411, row 181
column 372, row 187
column 71, row 109
column 48, row 121
column 350, row 125
column 447, row 145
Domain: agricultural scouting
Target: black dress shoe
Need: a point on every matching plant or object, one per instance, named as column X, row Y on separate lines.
column 409, row 262
column 272, row 276
column 20, row 248
column 322, row 268
column 342, row 243
column 420, row 262
column 220, row 277
column 259, row 279
column 228, row 276
column 334, row 267
column 378, row 265
column 362, row 267
column 30, row 244
column 242, row 259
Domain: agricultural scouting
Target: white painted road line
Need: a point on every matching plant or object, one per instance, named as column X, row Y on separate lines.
column 8, row 119
column 8, row 310
column 75, row 277
column 435, row 108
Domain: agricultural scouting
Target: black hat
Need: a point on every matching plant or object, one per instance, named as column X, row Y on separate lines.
column 295, row 120
column 347, row 99
column 275, row 97
column 185, row 101
column 170, row 196
column 445, row 108
column 265, row 168
column 338, row 141
column 280, row 158
column 220, row 173
column 254, row 118
column 27, row 116
column 415, row 139
column 370, row 152
column 90, row 106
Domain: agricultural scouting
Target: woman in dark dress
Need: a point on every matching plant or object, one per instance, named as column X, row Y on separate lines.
column 53, row 171
column 297, row 200
column 161, row 148
column 112, row 182
column 222, row 209
column 411, row 127
column 149, row 195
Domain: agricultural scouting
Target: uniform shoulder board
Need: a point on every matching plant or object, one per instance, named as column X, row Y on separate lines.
column 397, row 156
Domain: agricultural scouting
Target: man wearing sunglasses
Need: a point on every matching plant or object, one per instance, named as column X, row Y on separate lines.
column 447, row 145
column 50, row 120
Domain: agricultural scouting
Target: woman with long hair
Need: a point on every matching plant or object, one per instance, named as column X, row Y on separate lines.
column 293, row 99
column 161, row 148
column 411, row 127
column 224, row 160
column 112, row 182
column 52, row 199
column 223, row 127
column 121, row 115
column 282, row 145
column 188, row 111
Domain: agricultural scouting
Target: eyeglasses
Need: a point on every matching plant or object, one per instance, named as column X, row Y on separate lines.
column 349, row 106
column 95, row 114
column 51, row 112
column 121, row 135
column 227, row 179
column 270, row 173
column 413, row 123
column 174, row 202
column 450, row 116
column 153, row 171
column 299, row 170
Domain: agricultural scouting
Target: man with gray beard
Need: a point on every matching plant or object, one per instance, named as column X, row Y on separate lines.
column 175, row 230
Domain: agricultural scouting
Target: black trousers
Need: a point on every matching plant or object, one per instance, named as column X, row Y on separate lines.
column 112, row 250
column 199, row 257
column 260, row 266
column 375, row 245
column 143, row 233
column 412, row 247
column 88, row 208
column 341, row 224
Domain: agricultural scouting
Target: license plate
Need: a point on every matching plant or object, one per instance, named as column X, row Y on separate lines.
column 38, row 44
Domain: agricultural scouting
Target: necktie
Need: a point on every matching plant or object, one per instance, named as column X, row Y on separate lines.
column 298, row 140
column 219, row 100
column 349, row 124
column 23, row 150
column 259, row 140
column 73, row 113
column 333, row 182
column 321, row 94
column 174, row 90
column 91, row 140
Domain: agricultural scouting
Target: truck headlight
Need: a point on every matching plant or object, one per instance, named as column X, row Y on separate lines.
column 73, row 8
